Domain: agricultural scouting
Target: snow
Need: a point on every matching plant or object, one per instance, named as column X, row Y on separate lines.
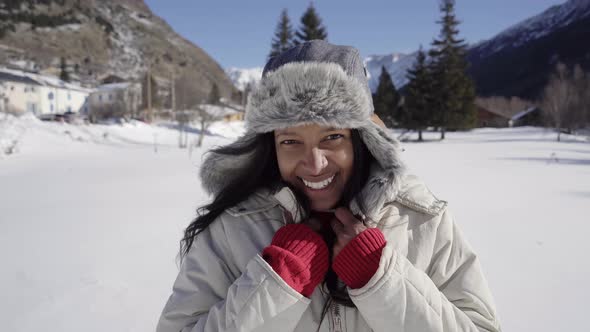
column 139, row 18
column 241, row 77
column 92, row 215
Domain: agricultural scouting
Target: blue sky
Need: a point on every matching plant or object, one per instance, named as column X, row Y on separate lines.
column 239, row 33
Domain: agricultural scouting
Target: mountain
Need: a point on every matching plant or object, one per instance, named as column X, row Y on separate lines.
column 396, row 64
column 519, row 60
column 242, row 77
column 102, row 39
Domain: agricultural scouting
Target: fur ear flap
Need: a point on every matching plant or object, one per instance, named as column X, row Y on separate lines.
column 217, row 168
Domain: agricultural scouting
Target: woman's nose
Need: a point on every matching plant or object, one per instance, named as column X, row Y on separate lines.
column 316, row 161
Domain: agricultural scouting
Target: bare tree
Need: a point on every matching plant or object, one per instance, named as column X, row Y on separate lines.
column 560, row 100
column 581, row 101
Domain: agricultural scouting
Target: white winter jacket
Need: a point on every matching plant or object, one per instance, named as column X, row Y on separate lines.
column 429, row 278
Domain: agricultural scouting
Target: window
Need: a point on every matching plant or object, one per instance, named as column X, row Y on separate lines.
column 69, row 96
column 32, row 89
column 110, row 96
column 51, row 108
column 69, row 108
column 100, row 97
column 50, row 96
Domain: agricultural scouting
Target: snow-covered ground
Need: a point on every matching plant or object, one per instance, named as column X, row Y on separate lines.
column 90, row 218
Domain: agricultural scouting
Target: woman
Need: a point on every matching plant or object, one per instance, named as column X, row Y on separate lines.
column 315, row 225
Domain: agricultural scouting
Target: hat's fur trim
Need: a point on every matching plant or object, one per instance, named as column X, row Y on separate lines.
column 308, row 92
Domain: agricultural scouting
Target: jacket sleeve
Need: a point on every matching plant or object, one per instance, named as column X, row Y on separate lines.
column 452, row 296
column 209, row 294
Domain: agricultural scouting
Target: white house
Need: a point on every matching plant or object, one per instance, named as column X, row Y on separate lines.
column 115, row 99
column 39, row 94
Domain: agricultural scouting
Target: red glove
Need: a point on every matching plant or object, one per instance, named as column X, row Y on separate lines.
column 359, row 259
column 300, row 256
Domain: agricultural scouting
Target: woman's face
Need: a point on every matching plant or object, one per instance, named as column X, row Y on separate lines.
column 316, row 160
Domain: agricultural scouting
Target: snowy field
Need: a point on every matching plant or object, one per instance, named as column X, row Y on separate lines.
column 90, row 218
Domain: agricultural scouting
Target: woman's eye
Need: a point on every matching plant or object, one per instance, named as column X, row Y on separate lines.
column 333, row 137
column 289, row 142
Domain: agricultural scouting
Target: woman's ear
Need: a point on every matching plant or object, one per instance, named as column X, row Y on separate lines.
column 375, row 118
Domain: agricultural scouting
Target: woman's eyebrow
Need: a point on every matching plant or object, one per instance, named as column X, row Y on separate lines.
column 285, row 133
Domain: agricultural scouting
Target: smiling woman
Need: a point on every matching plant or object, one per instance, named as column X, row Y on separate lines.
column 315, row 225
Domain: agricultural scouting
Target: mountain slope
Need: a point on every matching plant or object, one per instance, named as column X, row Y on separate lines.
column 519, row 60
column 101, row 38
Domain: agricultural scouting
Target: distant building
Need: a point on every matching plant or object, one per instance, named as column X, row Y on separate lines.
column 115, row 100
column 490, row 118
column 38, row 94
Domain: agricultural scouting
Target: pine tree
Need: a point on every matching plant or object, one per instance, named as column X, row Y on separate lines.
column 311, row 28
column 214, row 97
column 418, row 101
column 455, row 92
column 64, row 75
column 283, row 39
column 386, row 99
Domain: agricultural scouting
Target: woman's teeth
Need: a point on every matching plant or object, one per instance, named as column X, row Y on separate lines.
column 319, row 185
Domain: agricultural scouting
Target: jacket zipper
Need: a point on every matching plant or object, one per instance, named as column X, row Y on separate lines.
column 336, row 318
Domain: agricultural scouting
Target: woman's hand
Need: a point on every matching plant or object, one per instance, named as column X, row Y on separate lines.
column 346, row 227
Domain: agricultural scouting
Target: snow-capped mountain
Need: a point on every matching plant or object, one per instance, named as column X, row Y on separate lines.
column 396, row 64
column 533, row 28
column 519, row 60
column 242, row 77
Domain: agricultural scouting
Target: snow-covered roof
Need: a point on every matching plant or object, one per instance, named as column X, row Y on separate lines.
column 16, row 78
column 44, row 80
column 523, row 113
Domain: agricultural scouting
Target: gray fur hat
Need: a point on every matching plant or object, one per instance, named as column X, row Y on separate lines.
column 315, row 82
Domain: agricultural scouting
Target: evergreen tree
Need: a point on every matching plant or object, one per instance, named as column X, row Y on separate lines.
column 418, row 101
column 214, row 96
column 311, row 28
column 64, row 75
column 455, row 92
column 283, row 39
column 386, row 99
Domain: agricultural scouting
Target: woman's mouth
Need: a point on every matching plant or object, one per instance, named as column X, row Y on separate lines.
column 320, row 184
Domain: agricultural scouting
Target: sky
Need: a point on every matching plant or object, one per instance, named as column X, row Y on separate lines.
column 239, row 33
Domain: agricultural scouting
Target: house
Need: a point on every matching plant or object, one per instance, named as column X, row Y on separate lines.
column 114, row 100
column 491, row 118
column 39, row 94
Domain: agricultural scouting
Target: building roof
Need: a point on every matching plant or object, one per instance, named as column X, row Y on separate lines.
column 113, row 86
column 494, row 112
column 523, row 113
column 42, row 80
column 16, row 78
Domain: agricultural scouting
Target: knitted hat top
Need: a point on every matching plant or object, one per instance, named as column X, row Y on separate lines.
column 315, row 83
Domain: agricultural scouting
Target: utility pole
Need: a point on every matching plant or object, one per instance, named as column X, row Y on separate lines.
column 149, row 93
column 173, row 94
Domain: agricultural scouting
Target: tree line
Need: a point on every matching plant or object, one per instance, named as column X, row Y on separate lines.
column 439, row 93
